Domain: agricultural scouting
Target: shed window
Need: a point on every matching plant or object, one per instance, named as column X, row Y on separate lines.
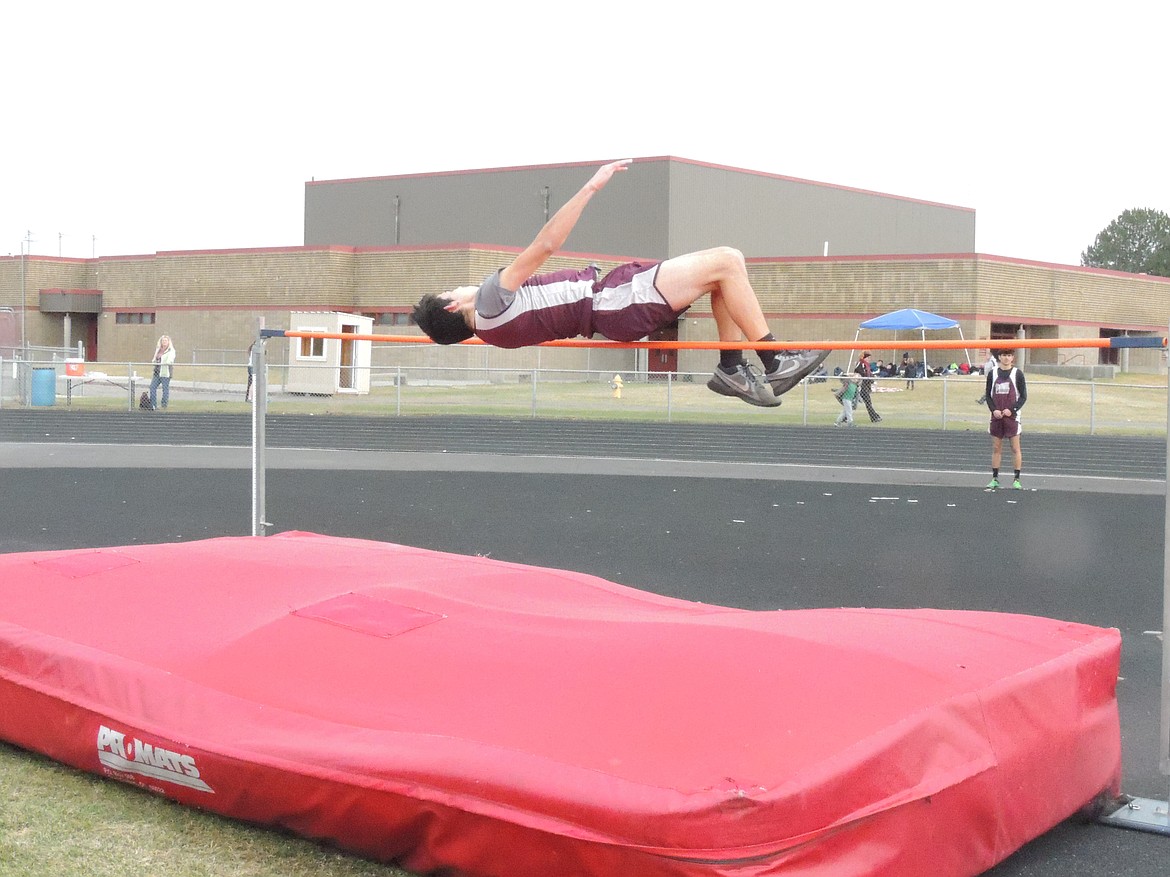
column 311, row 348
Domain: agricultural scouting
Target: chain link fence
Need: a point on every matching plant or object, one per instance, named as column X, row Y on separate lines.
column 1119, row 406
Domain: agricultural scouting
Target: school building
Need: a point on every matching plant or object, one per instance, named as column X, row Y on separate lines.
column 822, row 259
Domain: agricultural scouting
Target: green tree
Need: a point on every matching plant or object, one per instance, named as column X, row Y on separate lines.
column 1160, row 261
column 1138, row 241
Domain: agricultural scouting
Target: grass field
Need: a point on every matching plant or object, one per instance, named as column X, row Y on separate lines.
column 1128, row 405
column 58, row 822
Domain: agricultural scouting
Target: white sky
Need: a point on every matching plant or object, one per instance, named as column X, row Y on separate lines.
column 133, row 127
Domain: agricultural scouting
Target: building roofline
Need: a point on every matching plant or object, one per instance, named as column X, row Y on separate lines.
column 604, row 257
column 668, row 158
column 975, row 257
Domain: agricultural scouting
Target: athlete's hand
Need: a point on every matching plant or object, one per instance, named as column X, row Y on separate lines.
column 997, row 414
column 1007, row 412
column 458, row 297
column 599, row 179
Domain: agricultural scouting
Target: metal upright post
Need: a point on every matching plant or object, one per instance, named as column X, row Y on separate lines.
column 25, row 249
column 1145, row 814
column 259, row 441
column 1165, row 756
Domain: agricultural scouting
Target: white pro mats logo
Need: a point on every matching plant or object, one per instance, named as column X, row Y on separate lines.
column 125, row 754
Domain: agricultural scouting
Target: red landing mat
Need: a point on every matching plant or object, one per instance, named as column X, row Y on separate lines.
column 498, row 719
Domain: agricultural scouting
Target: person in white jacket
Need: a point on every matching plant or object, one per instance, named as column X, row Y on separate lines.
column 164, row 359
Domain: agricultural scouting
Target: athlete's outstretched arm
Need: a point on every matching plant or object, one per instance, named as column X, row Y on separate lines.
column 556, row 231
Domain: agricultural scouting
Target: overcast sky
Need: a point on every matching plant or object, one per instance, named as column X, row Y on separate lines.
column 134, row 127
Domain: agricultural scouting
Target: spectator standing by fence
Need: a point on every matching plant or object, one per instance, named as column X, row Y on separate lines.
column 251, row 376
column 164, row 359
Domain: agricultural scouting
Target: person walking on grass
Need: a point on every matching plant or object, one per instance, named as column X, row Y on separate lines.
column 515, row 307
column 1006, row 392
column 847, row 396
column 864, row 370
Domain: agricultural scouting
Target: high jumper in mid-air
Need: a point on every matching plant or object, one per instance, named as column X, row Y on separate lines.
column 516, row 307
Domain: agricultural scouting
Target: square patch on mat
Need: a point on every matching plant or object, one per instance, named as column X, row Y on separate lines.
column 368, row 615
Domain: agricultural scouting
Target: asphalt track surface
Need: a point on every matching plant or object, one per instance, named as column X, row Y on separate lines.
column 864, row 517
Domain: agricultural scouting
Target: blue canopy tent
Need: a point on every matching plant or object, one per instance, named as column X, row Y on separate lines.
column 912, row 319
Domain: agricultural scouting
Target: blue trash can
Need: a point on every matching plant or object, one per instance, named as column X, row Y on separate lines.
column 44, row 386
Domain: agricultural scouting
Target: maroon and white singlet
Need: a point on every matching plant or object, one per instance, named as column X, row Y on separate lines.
column 624, row 305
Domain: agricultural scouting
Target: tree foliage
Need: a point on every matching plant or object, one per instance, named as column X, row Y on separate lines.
column 1137, row 241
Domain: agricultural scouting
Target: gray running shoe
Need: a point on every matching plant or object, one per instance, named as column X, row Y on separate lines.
column 744, row 384
column 792, row 367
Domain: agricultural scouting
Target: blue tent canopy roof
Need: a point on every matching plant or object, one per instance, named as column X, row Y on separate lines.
column 910, row 318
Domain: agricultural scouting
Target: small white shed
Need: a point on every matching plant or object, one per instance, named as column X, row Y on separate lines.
column 327, row 366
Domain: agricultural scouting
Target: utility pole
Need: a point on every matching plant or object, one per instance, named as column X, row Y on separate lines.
column 25, row 249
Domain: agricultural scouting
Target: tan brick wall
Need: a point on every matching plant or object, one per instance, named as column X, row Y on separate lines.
column 253, row 279
column 216, row 300
column 865, row 288
column 1020, row 291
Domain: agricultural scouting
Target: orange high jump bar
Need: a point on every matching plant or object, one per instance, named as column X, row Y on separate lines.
column 877, row 344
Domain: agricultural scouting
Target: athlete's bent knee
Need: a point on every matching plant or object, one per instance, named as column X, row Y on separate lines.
column 731, row 259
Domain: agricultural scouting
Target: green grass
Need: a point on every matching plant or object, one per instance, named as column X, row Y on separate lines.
column 1131, row 404
column 58, row 822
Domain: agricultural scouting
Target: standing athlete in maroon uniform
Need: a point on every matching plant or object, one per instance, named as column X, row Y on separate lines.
column 1007, row 391
column 514, row 307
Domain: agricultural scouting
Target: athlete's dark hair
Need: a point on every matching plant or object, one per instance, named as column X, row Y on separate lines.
column 441, row 325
